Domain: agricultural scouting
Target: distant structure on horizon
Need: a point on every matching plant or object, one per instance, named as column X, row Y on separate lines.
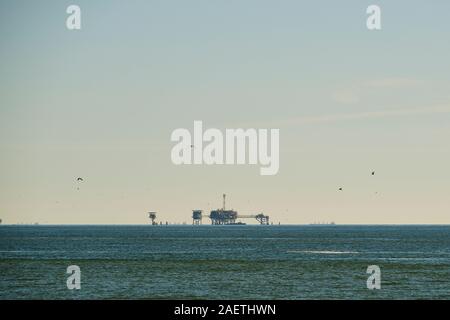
column 197, row 217
column 226, row 217
column 323, row 223
column 152, row 217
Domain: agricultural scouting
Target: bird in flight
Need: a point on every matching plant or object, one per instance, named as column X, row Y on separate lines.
column 340, row 189
column 373, row 173
column 80, row 179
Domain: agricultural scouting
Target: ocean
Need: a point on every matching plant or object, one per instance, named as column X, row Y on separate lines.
column 224, row 262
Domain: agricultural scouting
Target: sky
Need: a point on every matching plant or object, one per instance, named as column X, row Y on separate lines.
column 101, row 103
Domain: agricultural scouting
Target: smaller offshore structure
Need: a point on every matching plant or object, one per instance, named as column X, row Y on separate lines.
column 197, row 217
column 152, row 216
column 227, row 217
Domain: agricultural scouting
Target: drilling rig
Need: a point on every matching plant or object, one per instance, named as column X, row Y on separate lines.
column 223, row 216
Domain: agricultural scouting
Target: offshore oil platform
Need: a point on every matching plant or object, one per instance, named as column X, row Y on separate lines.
column 227, row 217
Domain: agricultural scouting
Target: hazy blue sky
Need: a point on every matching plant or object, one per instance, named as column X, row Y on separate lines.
column 100, row 103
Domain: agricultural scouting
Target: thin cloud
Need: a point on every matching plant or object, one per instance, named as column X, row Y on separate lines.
column 352, row 94
column 394, row 83
column 348, row 96
column 330, row 118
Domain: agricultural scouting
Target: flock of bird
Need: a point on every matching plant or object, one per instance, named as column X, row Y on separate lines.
column 79, row 179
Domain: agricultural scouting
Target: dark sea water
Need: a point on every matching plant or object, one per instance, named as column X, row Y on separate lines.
column 225, row 262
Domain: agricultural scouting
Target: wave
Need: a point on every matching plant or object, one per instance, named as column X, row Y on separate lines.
column 322, row 252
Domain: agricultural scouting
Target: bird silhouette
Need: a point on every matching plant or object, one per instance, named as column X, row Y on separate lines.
column 340, row 189
column 80, row 179
column 373, row 173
